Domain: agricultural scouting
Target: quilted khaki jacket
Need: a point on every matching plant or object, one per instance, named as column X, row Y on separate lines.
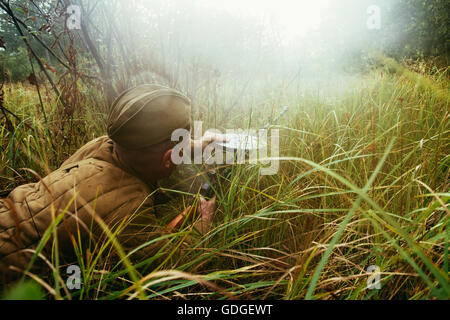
column 90, row 183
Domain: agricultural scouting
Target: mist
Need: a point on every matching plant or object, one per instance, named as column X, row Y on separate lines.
column 253, row 45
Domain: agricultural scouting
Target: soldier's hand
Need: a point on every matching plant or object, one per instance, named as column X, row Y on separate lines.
column 206, row 209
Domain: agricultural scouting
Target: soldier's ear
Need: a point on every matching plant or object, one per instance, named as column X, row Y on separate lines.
column 167, row 160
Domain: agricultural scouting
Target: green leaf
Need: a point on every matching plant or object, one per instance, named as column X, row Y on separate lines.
column 28, row 290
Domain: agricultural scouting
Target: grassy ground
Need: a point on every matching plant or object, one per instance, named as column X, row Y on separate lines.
column 364, row 180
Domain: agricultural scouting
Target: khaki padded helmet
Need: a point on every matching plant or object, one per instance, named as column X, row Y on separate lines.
column 147, row 115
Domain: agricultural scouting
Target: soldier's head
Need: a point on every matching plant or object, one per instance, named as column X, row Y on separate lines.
column 141, row 122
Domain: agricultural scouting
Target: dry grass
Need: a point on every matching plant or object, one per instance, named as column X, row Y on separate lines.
column 364, row 181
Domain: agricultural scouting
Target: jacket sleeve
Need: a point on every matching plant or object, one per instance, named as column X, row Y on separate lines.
column 84, row 194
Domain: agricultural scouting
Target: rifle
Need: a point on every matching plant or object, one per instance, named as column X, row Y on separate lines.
column 207, row 189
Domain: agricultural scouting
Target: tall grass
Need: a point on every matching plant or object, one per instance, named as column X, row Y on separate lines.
column 363, row 180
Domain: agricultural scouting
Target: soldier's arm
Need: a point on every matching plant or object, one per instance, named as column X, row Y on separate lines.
column 144, row 239
column 205, row 212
